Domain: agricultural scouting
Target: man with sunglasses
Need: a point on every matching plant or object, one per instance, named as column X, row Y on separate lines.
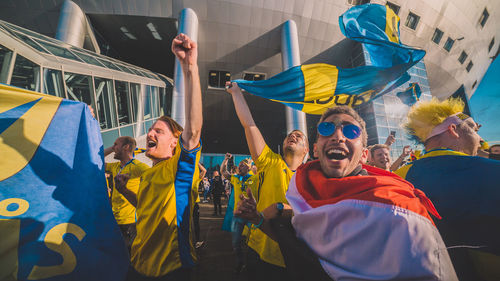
column 349, row 221
column 464, row 187
column 265, row 261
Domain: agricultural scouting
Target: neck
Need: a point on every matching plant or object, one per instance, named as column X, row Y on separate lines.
column 125, row 159
column 292, row 160
column 438, row 143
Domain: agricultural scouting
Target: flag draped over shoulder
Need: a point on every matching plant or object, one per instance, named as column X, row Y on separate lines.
column 314, row 87
column 56, row 221
column 367, row 227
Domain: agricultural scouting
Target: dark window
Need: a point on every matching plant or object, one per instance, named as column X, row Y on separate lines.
column 26, row 74
column 449, row 44
column 105, row 101
column 412, row 20
column 218, row 79
column 79, row 88
column 393, row 7
column 123, row 102
column 474, row 85
column 463, row 56
column 484, row 17
column 53, row 83
column 5, row 58
column 254, row 76
column 469, row 66
column 438, row 34
column 492, row 43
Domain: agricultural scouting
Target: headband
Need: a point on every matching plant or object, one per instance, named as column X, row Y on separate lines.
column 456, row 119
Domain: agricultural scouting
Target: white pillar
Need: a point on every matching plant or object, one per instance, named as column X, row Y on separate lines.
column 290, row 57
column 72, row 24
column 188, row 24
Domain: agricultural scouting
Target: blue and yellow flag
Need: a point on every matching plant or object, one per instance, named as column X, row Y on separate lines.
column 313, row 88
column 56, row 221
column 411, row 95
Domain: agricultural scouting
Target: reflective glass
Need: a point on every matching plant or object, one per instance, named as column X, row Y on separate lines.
column 31, row 43
column 5, row 58
column 135, row 92
column 88, row 59
column 105, row 103
column 123, row 103
column 58, row 51
column 53, row 83
column 26, row 74
column 79, row 88
column 147, row 103
column 154, row 101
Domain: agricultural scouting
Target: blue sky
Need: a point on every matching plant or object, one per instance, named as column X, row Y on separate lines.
column 485, row 104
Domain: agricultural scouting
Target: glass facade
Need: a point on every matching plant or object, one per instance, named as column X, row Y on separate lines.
column 388, row 112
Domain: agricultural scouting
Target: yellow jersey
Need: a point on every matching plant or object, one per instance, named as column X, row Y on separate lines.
column 274, row 176
column 164, row 214
column 123, row 211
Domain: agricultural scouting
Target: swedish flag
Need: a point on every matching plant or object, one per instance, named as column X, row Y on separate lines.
column 55, row 218
column 314, row 87
column 411, row 95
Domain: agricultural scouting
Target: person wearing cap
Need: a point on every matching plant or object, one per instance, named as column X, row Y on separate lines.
column 463, row 187
column 349, row 221
column 265, row 261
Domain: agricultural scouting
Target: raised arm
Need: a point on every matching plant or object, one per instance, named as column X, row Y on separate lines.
column 186, row 51
column 401, row 158
column 254, row 138
column 203, row 171
column 223, row 167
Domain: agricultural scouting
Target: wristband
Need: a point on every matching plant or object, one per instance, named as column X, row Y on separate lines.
column 261, row 220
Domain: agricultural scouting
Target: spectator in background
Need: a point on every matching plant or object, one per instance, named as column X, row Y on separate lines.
column 494, row 151
column 381, row 157
column 123, row 209
column 217, row 188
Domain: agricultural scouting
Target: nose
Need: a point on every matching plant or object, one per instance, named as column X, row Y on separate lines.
column 338, row 135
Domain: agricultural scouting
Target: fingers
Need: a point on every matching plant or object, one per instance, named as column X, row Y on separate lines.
column 250, row 194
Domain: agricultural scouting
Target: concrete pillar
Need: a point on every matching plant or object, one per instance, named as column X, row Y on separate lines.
column 290, row 57
column 188, row 24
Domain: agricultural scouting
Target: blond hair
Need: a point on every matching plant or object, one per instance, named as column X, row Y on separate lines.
column 426, row 115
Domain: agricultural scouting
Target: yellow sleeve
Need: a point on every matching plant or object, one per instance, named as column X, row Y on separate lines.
column 403, row 171
column 266, row 159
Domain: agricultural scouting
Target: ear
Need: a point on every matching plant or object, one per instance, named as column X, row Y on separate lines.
column 452, row 130
column 315, row 152
column 364, row 156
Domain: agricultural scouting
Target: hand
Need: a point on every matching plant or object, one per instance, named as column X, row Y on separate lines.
column 91, row 110
column 232, row 87
column 185, row 49
column 406, row 151
column 121, row 182
column 390, row 140
column 247, row 208
column 228, row 156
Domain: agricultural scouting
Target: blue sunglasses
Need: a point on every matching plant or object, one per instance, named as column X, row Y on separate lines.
column 350, row 131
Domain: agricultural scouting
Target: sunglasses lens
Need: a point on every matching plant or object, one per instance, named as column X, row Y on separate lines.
column 351, row 131
column 326, row 129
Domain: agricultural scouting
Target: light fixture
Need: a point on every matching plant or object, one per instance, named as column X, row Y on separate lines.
column 127, row 33
column 153, row 30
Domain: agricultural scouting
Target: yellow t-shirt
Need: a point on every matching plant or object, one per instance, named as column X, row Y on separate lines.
column 164, row 213
column 274, row 176
column 124, row 211
column 240, row 185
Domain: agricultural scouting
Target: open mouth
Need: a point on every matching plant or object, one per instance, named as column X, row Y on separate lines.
column 336, row 154
column 151, row 143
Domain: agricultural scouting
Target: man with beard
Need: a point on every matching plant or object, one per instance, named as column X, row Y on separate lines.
column 123, row 211
column 352, row 221
column 163, row 248
column 265, row 261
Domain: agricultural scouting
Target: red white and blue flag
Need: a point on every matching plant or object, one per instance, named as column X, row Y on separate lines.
column 371, row 227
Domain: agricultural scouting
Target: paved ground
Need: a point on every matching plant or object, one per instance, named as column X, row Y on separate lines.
column 216, row 259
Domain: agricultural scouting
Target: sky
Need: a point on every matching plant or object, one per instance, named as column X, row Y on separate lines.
column 485, row 104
